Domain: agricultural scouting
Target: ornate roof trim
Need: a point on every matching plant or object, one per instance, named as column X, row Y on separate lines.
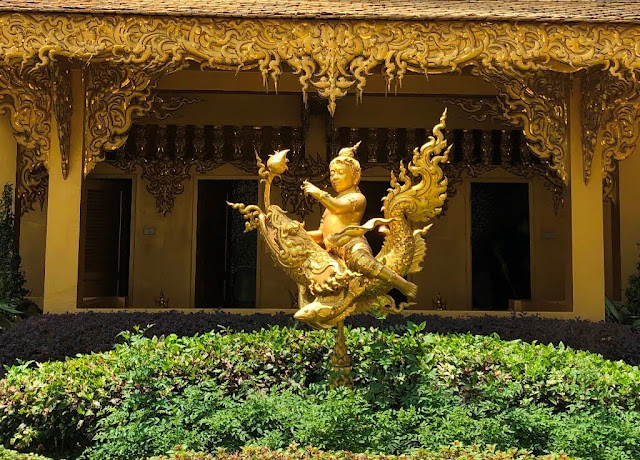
column 123, row 58
column 470, row 10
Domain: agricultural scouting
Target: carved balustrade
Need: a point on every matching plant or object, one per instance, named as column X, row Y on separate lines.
column 169, row 155
column 475, row 153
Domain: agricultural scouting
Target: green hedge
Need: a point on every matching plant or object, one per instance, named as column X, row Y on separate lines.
column 6, row 454
column 268, row 388
column 455, row 451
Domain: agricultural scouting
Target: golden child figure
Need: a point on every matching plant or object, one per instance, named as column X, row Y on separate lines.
column 344, row 210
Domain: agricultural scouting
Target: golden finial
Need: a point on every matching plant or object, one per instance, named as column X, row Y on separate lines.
column 277, row 163
column 349, row 151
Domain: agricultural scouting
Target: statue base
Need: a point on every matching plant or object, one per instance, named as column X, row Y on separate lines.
column 341, row 361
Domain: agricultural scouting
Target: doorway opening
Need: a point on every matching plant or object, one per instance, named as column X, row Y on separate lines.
column 500, row 244
column 226, row 257
column 106, row 242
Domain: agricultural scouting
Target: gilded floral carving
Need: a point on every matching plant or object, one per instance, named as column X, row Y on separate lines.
column 61, row 98
column 610, row 107
column 115, row 94
column 329, row 57
column 33, row 181
column 620, row 127
column 538, row 102
column 25, row 94
column 164, row 107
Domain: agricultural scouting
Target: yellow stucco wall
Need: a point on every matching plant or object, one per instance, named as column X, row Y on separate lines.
column 629, row 216
column 63, row 249
column 33, row 235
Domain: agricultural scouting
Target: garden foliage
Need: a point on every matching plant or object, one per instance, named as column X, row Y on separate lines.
column 12, row 280
column 293, row 452
column 455, row 451
column 7, row 454
column 267, row 388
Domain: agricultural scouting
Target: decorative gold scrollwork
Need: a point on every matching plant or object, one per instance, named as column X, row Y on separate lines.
column 330, row 56
column 479, row 109
column 25, row 94
column 164, row 107
column 115, row 94
column 33, row 181
column 126, row 54
column 592, row 107
column 610, row 107
column 62, row 108
column 620, row 127
column 538, row 102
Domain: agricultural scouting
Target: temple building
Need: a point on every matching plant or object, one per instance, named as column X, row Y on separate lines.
column 128, row 126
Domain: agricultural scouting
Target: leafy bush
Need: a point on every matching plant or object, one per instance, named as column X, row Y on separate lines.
column 6, row 454
column 412, row 390
column 346, row 420
column 56, row 405
column 455, row 451
column 55, row 337
column 12, row 279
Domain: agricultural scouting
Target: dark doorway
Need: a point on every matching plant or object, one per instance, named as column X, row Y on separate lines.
column 374, row 191
column 226, row 257
column 500, row 244
column 107, row 239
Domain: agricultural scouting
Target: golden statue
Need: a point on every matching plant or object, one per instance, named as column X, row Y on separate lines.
column 336, row 272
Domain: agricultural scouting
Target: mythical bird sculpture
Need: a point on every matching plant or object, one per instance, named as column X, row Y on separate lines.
column 336, row 272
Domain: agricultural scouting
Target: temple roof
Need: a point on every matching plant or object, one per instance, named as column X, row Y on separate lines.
column 497, row 10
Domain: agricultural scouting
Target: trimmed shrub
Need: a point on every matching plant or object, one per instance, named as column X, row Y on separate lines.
column 268, row 387
column 6, row 454
column 57, row 404
column 55, row 337
column 455, row 451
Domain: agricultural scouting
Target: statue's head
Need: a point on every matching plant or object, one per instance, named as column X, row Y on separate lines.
column 344, row 169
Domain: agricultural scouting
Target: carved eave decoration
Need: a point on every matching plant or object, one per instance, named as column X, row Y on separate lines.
column 479, row 109
column 166, row 106
column 25, row 94
column 124, row 56
column 33, row 180
column 610, row 109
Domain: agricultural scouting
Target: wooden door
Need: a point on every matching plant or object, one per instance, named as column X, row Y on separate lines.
column 107, row 228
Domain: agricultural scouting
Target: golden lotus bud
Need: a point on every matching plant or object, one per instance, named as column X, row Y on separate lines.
column 277, row 163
